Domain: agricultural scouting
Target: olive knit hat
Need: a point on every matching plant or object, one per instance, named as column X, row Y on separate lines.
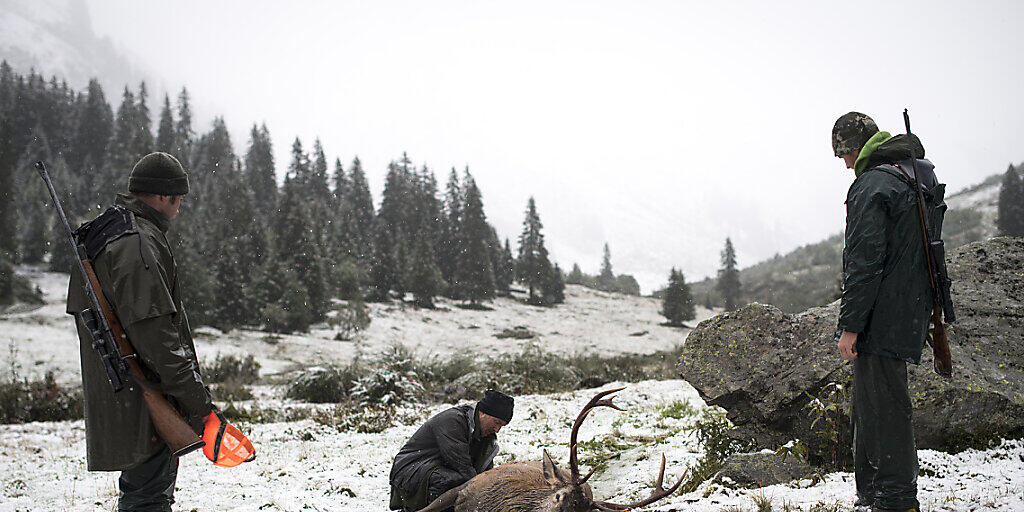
column 851, row 132
column 158, row 173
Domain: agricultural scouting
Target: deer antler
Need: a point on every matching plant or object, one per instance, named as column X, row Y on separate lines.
column 657, row 494
column 597, row 401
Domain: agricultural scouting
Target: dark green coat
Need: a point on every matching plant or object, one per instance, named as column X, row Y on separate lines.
column 139, row 279
column 886, row 292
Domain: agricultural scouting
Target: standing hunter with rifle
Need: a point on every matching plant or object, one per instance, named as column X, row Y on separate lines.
column 894, row 281
column 145, row 401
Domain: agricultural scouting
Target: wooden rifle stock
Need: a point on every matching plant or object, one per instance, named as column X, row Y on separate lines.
column 942, row 358
column 170, row 426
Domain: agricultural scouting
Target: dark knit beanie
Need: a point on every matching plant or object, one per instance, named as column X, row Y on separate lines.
column 497, row 404
column 158, row 173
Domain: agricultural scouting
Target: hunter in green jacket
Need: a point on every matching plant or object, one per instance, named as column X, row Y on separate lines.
column 136, row 270
column 886, row 303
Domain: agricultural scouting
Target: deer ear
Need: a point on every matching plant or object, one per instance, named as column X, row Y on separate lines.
column 551, row 473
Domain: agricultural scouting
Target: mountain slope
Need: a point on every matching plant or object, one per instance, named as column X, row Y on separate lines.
column 55, row 37
column 811, row 275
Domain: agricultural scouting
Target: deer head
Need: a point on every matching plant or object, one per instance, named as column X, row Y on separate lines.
column 658, row 493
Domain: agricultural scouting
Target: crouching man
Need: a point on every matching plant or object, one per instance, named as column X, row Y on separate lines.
column 448, row 450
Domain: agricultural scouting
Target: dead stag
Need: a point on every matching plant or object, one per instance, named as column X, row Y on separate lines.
column 542, row 486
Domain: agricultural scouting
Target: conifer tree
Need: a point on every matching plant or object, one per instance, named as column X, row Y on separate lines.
column 554, row 285
column 729, row 277
column 575, row 275
column 339, row 245
column 1010, row 220
column 677, row 305
column 358, row 214
column 424, row 279
column 184, row 135
column 319, row 195
column 94, row 126
column 260, row 173
column 8, row 226
column 505, row 271
column 606, row 279
column 532, row 266
column 294, row 243
column 449, row 247
column 294, row 239
column 121, row 155
column 241, row 248
column 474, row 274
column 142, row 136
column 383, row 268
column 165, row 130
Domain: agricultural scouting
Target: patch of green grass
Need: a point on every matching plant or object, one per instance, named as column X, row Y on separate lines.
column 678, row 410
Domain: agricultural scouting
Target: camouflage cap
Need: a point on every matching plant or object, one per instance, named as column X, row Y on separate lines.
column 851, row 132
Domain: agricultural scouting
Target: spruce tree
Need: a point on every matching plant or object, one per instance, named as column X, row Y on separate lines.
column 184, row 135
column 383, row 268
column 241, row 249
column 474, row 274
column 8, row 228
column 554, row 285
column 424, row 278
column 505, row 272
column 92, row 132
column 260, row 173
column 319, row 195
column 448, row 251
column 1010, row 220
column 294, row 240
column 606, row 279
column 165, row 130
column 121, row 155
column 729, row 277
column 575, row 275
column 677, row 304
column 533, row 268
column 359, row 216
column 142, row 136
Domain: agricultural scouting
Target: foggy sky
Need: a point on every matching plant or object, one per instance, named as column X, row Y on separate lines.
column 660, row 127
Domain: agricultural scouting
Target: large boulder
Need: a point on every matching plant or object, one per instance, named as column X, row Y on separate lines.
column 768, row 368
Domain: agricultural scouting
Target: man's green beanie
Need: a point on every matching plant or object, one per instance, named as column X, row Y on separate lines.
column 158, row 173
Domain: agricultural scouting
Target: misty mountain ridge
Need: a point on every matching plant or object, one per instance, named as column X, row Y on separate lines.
column 811, row 275
column 56, row 37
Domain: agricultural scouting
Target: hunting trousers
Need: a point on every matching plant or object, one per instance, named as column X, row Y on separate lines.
column 884, row 453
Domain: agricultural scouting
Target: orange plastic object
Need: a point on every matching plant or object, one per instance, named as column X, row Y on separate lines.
column 226, row 446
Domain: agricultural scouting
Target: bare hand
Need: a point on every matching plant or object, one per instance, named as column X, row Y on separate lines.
column 848, row 345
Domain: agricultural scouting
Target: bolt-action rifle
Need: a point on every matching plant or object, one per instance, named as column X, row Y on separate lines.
column 935, row 255
column 115, row 349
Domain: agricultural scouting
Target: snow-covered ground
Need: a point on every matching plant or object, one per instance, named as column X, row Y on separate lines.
column 306, row 466
column 303, row 465
column 590, row 321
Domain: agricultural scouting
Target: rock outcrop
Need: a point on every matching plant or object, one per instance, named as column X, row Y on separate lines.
column 765, row 367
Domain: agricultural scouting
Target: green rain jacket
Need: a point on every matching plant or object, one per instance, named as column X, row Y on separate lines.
column 139, row 279
column 886, row 292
